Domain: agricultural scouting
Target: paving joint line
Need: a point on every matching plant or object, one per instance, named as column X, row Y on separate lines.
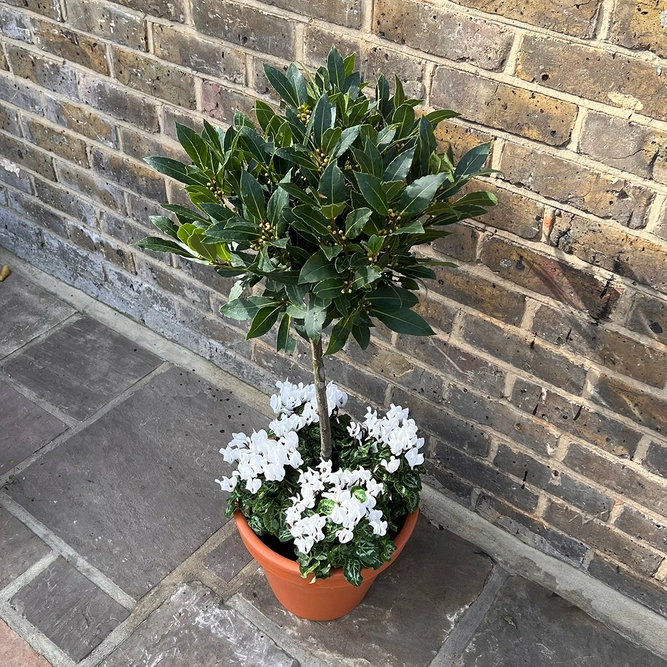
column 629, row 618
column 70, row 319
column 140, row 334
column 37, row 400
column 273, row 631
column 472, row 618
column 66, row 551
column 77, row 426
column 37, row 640
column 9, row 591
column 189, row 570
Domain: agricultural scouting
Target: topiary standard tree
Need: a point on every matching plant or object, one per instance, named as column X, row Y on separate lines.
column 323, row 204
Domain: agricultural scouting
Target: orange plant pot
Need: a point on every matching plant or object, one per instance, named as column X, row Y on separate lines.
column 325, row 599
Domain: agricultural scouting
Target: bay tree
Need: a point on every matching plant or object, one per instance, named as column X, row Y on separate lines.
column 318, row 209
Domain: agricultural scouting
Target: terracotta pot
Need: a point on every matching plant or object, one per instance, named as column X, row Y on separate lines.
column 325, row 599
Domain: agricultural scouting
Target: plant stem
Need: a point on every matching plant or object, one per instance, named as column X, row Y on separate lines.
column 321, row 394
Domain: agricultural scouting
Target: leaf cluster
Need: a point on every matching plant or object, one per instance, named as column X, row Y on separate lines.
column 318, row 207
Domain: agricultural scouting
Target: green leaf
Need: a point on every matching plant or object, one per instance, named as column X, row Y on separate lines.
column 317, row 268
column 332, row 184
column 436, row 117
column 332, row 211
column 352, row 571
column 418, row 195
column 301, row 157
column 336, row 68
column 252, row 195
column 329, row 289
column 281, row 85
column 321, row 119
column 264, row 113
column 217, row 212
column 402, row 320
column 399, row 93
column 316, row 314
column 365, row 276
column 296, row 192
column 330, row 139
column 194, row 146
column 347, row 138
column 404, row 117
column 156, row 244
column 399, row 168
column 356, row 221
column 312, row 221
column 253, row 143
column 277, row 203
column 284, row 341
column 172, row 168
column 413, row 227
column 372, row 192
column 295, row 77
column 331, row 251
column 184, row 214
column 362, row 334
column 472, row 161
column 215, row 136
column 339, row 334
column 387, row 297
column 480, row 198
column 263, row 321
column 165, row 225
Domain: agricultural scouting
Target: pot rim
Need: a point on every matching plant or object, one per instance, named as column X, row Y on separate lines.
column 291, row 567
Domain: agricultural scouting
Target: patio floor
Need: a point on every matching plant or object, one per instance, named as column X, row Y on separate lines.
column 114, row 549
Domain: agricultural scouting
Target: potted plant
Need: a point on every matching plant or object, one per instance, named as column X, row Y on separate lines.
column 318, row 209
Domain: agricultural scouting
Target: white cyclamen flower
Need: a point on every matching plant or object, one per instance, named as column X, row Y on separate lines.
column 391, row 465
column 228, row 483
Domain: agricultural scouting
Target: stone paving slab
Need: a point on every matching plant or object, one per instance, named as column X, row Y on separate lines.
column 15, row 652
column 20, row 548
column 228, row 558
column 529, row 625
column 135, row 492
column 69, row 609
column 193, row 628
column 81, row 367
column 24, row 427
column 26, row 311
column 408, row 612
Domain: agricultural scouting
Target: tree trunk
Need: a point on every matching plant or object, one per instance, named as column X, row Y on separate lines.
column 322, row 405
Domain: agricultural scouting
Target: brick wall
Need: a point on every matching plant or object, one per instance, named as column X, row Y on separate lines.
column 543, row 394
